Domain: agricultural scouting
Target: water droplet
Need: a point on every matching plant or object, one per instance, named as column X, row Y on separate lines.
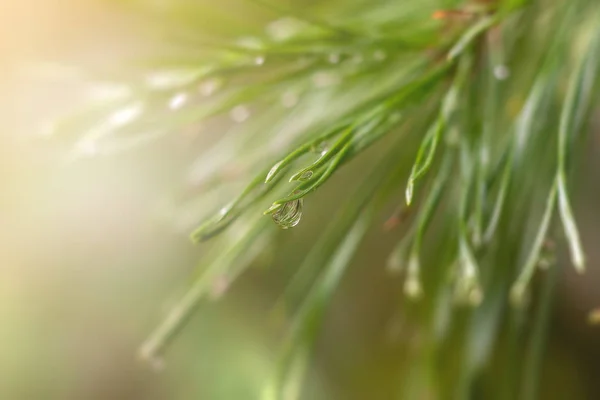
column 475, row 296
column 412, row 288
column 250, row 42
column 207, row 88
column 171, row 78
column 289, row 215
column 109, row 91
column 148, row 355
column 501, row 72
column 306, row 175
column 289, row 99
column 333, row 58
column 594, row 317
column 325, row 78
column 544, row 263
column 519, row 295
column 395, row 116
column 125, row 115
column 177, row 101
column 320, row 148
column 260, row 60
column 357, row 59
column 412, row 284
column 379, row 55
column 284, row 28
column 240, row 113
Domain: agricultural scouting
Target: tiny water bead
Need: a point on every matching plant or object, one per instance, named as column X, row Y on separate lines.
column 305, row 176
column 207, row 88
column 333, row 58
column 250, row 43
column 501, row 72
column 125, row 115
column 379, row 55
column 109, row 91
column 177, row 101
column 357, row 58
column 323, row 79
column 240, row 113
column 320, row 148
column 594, row 316
column 170, row 78
column 412, row 288
column 284, row 28
column 289, row 99
column 288, row 215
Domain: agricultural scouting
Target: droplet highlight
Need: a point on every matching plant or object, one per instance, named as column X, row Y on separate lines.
column 379, row 55
column 501, row 72
column 125, row 115
column 333, row 58
column 240, row 113
column 289, row 99
column 288, row 215
column 177, row 101
column 306, row 175
column 323, row 79
column 209, row 87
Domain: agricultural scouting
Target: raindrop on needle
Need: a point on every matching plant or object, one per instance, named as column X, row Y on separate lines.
column 288, row 215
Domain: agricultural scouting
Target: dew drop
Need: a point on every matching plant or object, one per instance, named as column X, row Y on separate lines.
column 156, row 362
column 250, row 42
column 289, row 99
column 501, row 72
column 323, row 79
column 284, row 28
column 109, row 91
column 177, row 101
column 544, row 263
column 125, row 115
column 333, row 58
column 412, row 288
column 379, row 55
column 207, row 88
column 306, row 175
column 288, row 215
column 475, row 296
column 240, row 113
column 260, row 60
column 594, row 317
column 357, row 59
column 170, row 78
column 519, row 295
column 320, row 148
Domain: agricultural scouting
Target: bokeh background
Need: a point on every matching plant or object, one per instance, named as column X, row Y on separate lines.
column 90, row 261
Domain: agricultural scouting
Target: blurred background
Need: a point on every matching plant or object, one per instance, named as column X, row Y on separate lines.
column 89, row 263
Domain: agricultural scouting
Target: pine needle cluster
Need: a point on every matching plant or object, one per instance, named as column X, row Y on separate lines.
column 483, row 106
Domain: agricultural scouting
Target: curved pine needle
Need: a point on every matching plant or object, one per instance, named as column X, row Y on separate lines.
column 470, row 34
column 519, row 288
